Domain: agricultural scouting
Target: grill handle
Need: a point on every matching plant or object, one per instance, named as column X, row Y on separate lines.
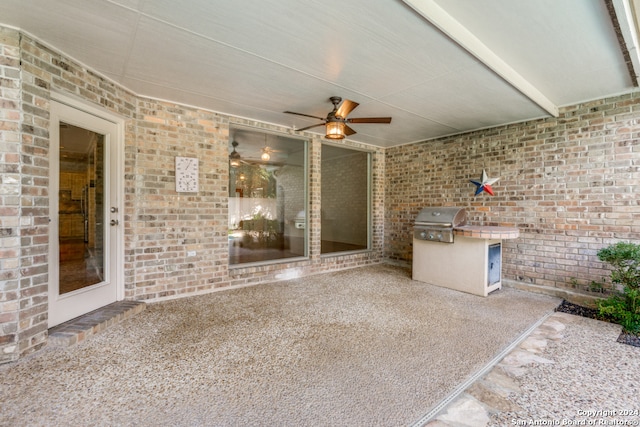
column 434, row 224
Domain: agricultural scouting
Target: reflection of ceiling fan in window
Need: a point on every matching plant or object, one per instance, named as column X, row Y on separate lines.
column 235, row 159
column 336, row 121
column 267, row 151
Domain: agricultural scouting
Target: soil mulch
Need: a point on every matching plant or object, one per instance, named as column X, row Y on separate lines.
column 578, row 310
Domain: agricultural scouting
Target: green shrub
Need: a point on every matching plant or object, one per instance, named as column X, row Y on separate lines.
column 623, row 307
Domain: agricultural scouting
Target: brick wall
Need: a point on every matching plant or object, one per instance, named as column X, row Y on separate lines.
column 160, row 225
column 570, row 184
column 10, row 193
column 34, row 203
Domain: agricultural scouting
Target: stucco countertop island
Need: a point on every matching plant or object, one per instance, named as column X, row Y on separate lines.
column 472, row 263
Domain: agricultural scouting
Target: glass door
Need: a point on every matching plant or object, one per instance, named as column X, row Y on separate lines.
column 83, row 267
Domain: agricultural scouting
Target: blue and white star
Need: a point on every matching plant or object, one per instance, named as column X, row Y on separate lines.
column 484, row 184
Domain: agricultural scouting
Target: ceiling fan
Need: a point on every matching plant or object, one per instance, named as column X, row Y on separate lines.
column 336, row 122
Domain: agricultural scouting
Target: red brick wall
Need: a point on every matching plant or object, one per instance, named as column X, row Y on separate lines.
column 570, row 184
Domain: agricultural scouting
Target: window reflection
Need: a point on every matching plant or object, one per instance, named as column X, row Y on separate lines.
column 266, row 197
column 345, row 199
column 80, row 208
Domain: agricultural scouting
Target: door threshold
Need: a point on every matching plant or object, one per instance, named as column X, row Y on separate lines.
column 79, row 329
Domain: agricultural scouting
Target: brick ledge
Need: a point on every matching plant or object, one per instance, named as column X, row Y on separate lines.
column 79, row 329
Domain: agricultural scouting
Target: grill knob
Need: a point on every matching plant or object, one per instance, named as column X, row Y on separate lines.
column 423, row 234
column 431, row 236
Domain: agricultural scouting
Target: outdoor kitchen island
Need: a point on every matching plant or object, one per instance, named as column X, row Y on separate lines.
column 472, row 263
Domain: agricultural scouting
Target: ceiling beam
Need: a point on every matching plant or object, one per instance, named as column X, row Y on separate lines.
column 437, row 16
column 624, row 17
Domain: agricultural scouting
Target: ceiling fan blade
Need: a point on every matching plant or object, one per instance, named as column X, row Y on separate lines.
column 304, row 115
column 309, row 127
column 370, row 120
column 345, row 108
column 348, row 131
column 261, row 163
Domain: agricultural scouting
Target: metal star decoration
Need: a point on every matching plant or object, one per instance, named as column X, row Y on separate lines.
column 484, row 184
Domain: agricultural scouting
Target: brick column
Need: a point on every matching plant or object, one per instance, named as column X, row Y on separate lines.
column 315, row 201
column 34, row 198
column 9, row 193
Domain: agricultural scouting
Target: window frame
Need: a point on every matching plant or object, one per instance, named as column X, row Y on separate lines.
column 305, row 184
column 369, row 202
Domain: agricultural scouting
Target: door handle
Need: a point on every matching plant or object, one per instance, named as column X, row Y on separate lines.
column 114, row 222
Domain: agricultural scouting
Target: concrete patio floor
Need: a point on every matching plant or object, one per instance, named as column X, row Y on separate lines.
column 187, row 362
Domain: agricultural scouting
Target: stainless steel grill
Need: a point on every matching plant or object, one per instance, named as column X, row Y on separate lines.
column 437, row 223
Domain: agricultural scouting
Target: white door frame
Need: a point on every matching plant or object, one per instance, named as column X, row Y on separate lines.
column 63, row 108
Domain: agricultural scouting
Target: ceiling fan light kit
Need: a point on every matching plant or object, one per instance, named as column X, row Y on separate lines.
column 335, row 130
column 336, row 121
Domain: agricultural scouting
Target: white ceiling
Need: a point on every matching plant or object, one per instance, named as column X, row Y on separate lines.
column 258, row 58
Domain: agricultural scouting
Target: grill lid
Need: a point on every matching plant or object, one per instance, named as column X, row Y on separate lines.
column 441, row 217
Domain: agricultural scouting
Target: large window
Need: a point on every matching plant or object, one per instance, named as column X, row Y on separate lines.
column 345, row 199
column 267, row 196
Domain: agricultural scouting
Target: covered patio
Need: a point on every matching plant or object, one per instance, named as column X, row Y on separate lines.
column 203, row 136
